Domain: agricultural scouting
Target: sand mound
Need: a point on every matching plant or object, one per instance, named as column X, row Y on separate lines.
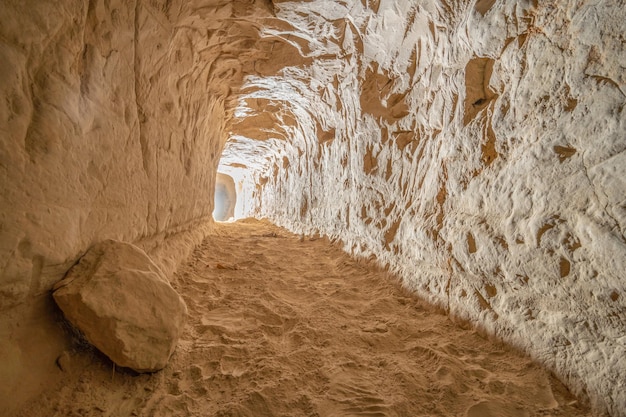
column 283, row 326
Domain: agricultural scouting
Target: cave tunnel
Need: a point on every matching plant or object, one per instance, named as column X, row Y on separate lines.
column 471, row 152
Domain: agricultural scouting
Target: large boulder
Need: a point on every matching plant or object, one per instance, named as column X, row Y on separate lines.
column 124, row 305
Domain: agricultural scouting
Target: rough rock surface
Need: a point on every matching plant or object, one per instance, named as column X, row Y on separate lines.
column 124, row 305
column 112, row 122
column 476, row 148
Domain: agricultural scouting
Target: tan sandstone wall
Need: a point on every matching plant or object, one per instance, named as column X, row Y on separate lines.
column 477, row 150
column 112, row 122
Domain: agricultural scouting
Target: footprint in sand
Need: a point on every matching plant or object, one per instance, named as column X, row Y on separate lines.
column 495, row 409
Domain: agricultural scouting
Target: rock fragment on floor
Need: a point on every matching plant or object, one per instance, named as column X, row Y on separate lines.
column 124, row 305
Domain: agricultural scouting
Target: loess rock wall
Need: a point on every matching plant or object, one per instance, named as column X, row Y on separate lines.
column 112, row 122
column 476, row 148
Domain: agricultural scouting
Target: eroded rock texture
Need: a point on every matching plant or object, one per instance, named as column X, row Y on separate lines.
column 476, row 149
column 112, row 122
column 113, row 115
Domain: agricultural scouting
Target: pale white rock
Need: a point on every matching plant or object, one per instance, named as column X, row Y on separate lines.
column 476, row 149
column 124, row 305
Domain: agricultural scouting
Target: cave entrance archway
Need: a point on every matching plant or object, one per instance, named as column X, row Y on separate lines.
column 225, row 198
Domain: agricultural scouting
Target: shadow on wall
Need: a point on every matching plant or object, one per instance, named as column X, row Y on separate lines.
column 225, row 198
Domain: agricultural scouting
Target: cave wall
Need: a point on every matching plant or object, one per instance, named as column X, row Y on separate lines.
column 112, row 123
column 478, row 150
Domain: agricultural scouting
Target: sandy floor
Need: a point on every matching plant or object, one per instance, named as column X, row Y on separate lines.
column 280, row 326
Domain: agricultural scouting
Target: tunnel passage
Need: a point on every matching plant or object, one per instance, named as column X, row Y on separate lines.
column 225, row 197
column 476, row 148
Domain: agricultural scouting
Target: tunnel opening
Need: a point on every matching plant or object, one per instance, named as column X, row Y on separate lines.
column 225, row 198
column 242, row 158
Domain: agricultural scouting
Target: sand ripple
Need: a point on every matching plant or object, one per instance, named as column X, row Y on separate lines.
column 283, row 327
